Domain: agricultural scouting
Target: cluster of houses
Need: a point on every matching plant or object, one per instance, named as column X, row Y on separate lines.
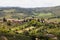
column 27, row 20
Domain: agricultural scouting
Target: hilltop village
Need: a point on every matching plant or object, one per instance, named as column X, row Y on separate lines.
column 21, row 21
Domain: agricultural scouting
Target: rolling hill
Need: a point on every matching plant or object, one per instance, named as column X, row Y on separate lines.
column 17, row 12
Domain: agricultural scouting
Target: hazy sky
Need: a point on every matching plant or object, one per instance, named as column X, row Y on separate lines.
column 29, row 3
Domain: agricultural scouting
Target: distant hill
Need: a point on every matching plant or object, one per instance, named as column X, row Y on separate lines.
column 17, row 12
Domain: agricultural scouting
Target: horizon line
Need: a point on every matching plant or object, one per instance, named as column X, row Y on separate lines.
column 30, row 7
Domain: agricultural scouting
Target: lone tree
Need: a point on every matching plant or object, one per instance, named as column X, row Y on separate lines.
column 4, row 19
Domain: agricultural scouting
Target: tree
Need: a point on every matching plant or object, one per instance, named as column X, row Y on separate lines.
column 26, row 32
column 9, row 23
column 4, row 20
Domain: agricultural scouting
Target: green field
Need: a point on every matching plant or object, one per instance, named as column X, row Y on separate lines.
column 44, row 15
column 55, row 20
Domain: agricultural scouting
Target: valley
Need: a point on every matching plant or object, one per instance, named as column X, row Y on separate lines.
column 30, row 23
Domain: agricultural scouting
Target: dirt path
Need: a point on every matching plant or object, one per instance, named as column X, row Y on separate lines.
column 20, row 31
